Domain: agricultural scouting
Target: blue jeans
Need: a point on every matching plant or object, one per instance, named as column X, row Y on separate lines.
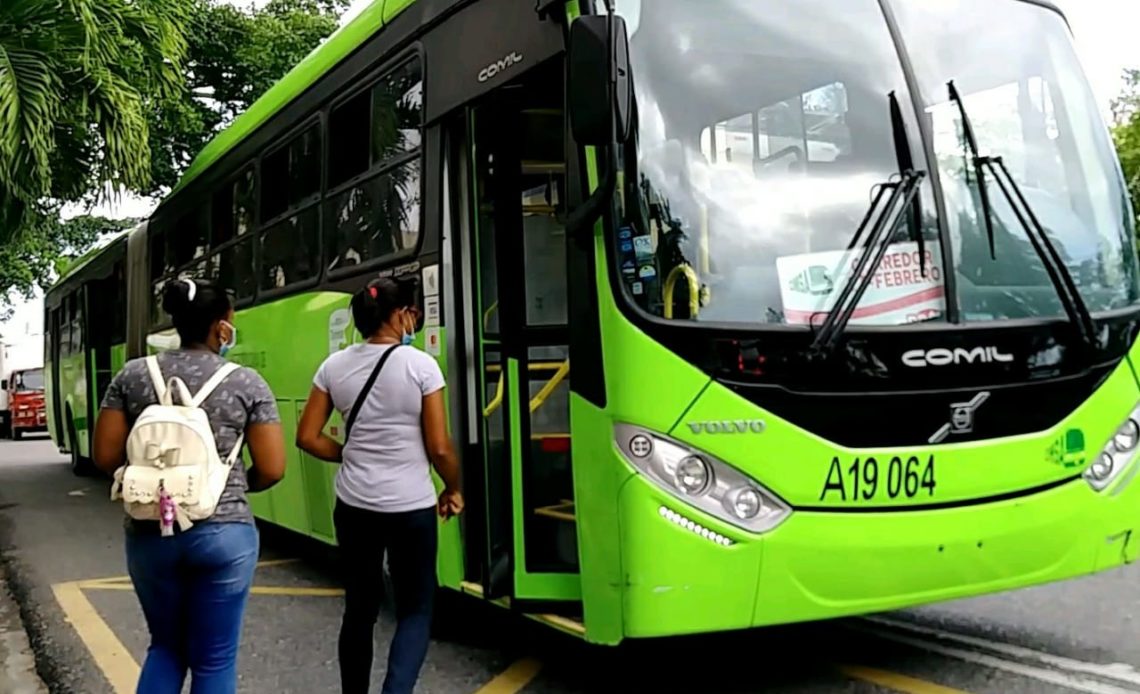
column 193, row 589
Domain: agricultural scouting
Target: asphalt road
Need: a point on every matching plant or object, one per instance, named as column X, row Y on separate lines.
column 61, row 549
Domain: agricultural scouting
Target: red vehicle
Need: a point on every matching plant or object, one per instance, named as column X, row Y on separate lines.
column 26, row 402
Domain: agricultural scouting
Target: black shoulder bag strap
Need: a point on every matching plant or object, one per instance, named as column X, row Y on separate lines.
column 366, row 390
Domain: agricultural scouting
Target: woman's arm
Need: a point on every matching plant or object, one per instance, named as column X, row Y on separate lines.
column 311, row 437
column 109, row 445
column 263, row 433
column 441, row 452
column 266, row 443
column 109, row 449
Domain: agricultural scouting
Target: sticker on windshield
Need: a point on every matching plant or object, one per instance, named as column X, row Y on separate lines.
column 898, row 293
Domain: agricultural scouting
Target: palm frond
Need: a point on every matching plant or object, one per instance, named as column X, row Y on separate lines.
column 29, row 105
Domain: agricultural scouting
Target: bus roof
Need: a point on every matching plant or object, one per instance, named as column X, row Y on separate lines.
column 79, row 264
column 85, row 259
column 306, row 73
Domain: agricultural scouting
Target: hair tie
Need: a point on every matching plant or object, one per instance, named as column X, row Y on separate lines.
column 192, row 290
column 372, row 291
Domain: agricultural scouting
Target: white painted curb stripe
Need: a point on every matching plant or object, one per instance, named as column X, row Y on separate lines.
column 1054, row 677
column 1115, row 671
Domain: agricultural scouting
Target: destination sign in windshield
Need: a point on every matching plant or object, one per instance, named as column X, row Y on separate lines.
column 906, row 287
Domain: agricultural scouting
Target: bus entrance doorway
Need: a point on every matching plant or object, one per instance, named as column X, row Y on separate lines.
column 514, row 183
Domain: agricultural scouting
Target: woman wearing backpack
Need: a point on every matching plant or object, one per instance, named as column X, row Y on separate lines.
column 193, row 583
column 391, row 396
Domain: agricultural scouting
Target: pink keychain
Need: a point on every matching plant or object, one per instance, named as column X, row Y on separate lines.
column 166, row 511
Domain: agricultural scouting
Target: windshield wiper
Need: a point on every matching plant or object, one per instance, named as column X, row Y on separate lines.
column 1059, row 275
column 906, row 163
column 879, row 239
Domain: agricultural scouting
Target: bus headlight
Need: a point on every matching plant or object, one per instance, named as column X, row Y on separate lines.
column 701, row 480
column 746, row 503
column 1117, row 455
column 693, row 475
column 1127, row 436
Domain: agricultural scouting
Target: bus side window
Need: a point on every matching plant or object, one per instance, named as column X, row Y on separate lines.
column 375, row 139
column 291, row 185
column 289, row 250
column 232, row 220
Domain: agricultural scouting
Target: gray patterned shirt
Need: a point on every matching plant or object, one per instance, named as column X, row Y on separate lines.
column 242, row 399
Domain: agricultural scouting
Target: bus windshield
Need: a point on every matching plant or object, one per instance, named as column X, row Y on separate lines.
column 764, row 132
column 1029, row 103
column 28, row 381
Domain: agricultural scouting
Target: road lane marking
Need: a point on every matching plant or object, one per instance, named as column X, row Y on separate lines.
column 290, row 591
column 276, row 562
column 268, row 563
column 514, row 678
column 897, row 682
column 297, row 592
column 1054, row 677
column 110, row 655
column 1114, row 671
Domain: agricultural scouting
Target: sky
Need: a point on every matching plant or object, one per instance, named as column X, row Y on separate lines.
column 1104, row 30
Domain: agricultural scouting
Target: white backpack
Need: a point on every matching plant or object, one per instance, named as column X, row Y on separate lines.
column 172, row 447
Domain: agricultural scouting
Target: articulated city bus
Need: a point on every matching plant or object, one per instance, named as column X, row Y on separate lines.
column 752, row 311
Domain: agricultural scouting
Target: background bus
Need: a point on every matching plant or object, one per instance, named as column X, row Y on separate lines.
column 709, row 462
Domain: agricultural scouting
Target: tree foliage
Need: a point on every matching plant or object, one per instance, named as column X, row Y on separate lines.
column 41, row 252
column 121, row 94
column 1126, row 110
column 235, row 55
column 76, row 79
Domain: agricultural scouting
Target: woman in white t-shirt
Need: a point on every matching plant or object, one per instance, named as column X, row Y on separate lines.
column 386, row 499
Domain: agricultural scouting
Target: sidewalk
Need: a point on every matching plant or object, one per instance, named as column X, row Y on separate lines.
column 17, row 666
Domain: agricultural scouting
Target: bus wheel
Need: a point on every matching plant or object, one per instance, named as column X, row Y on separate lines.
column 80, row 466
column 17, row 435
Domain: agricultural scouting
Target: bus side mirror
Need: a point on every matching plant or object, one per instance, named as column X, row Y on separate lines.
column 600, row 92
column 4, row 384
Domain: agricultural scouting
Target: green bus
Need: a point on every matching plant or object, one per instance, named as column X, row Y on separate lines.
column 622, row 218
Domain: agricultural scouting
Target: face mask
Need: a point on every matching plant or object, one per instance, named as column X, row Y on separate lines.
column 231, row 343
column 407, row 337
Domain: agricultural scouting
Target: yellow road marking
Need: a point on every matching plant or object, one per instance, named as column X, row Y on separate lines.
column 109, row 653
column 896, row 681
column 303, row 591
column 276, row 562
column 268, row 563
column 514, row 678
column 122, row 672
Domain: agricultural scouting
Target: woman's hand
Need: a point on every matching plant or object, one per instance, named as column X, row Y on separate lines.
column 450, row 503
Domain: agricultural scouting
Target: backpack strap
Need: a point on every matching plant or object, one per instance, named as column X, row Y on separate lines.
column 207, row 390
column 236, row 452
column 211, row 385
column 160, row 389
column 365, row 391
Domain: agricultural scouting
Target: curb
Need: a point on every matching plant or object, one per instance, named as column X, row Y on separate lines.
column 17, row 662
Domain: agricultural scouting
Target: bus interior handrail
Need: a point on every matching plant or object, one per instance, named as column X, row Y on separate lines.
column 694, row 290
column 560, row 369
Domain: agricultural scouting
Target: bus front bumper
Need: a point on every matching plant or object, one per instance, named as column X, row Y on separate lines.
column 681, row 577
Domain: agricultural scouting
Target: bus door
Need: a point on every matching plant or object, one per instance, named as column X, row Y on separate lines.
column 516, row 189
column 57, row 333
column 104, row 312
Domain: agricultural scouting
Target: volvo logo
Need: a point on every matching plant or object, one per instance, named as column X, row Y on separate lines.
column 941, row 356
column 728, row 426
column 961, row 418
column 510, row 60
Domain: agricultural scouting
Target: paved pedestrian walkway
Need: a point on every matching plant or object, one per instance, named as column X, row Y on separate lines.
column 17, row 666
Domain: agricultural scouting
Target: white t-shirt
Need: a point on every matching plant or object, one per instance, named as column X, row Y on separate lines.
column 385, row 466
